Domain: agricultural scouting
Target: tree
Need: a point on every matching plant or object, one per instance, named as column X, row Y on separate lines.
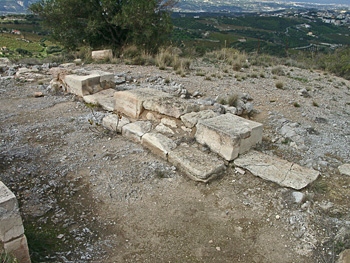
column 107, row 23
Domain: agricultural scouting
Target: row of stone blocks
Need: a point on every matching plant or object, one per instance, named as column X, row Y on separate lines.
column 156, row 116
column 226, row 135
column 12, row 238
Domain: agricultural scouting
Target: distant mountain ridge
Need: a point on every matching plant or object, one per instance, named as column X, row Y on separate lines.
column 15, row 6
column 21, row 6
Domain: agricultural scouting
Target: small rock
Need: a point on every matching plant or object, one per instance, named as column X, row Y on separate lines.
column 38, row 94
column 239, row 170
column 218, row 248
column 344, row 169
column 298, row 197
column 278, row 217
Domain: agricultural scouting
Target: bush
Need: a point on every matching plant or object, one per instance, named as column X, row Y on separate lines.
column 278, row 71
column 53, row 49
column 279, row 85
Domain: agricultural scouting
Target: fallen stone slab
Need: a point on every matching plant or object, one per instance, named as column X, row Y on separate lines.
column 170, row 106
column 130, row 102
column 229, row 135
column 114, row 122
column 344, row 169
column 274, row 169
column 199, row 166
column 158, row 143
column 136, row 130
column 104, row 98
column 88, row 84
column 190, row 119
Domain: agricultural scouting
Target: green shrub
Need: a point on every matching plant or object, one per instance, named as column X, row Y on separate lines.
column 278, row 71
column 279, row 85
column 53, row 49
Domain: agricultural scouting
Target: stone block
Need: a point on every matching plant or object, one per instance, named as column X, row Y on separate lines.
column 344, row 257
column 11, row 225
column 158, row 143
column 228, row 135
column 19, row 248
column 136, row 130
column 198, row 165
column 173, row 107
column 130, row 102
column 102, row 54
column 114, row 123
column 104, row 98
column 190, row 119
column 277, row 170
column 89, row 84
column 82, row 85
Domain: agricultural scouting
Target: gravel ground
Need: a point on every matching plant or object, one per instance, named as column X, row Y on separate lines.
column 88, row 195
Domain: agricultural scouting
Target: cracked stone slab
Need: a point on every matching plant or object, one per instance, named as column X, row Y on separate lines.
column 131, row 102
column 228, row 135
column 158, row 143
column 199, row 166
column 173, row 107
column 114, row 122
column 105, row 98
column 136, row 130
column 276, row 170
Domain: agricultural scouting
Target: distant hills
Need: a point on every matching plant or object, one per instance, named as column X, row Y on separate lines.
column 229, row 6
column 15, row 6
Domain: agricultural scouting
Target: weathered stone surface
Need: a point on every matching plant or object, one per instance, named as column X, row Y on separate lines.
column 105, row 98
column 11, row 225
column 277, row 170
column 89, row 84
column 114, row 123
column 130, row 102
column 136, row 130
column 19, row 248
column 102, row 54
column 190, row 119
column 344, row 169
column 344, row 257
column 158, row 143
column 164, row 129
column 169, row 122
column 228, row 134
column 173, row 107
column 199, row 166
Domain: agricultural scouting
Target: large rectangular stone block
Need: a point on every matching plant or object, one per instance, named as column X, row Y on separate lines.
column 19, row 248
column 130, row 102
column 198, row 165
column 104, row 98
column 173, row 107
column 228, row 135
column 11, row 225
column 88, row 84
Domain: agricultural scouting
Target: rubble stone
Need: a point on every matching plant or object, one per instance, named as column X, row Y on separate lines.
column 158, row 143
column 136, row 130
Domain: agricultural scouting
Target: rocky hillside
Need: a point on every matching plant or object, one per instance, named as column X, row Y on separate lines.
column 94, row 196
